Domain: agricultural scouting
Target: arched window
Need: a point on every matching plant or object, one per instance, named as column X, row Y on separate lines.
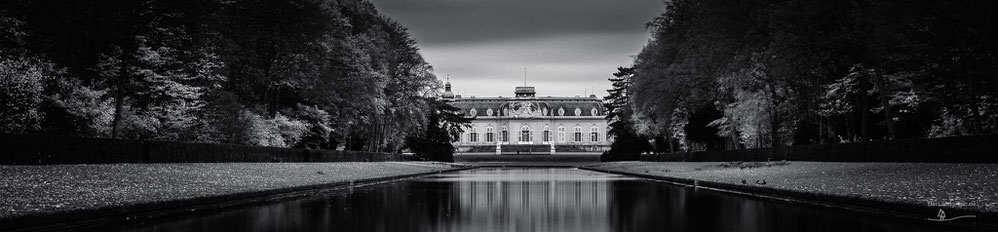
column 544, row 111
column 593, row 112
column 578, row 112
column 524, row 134
column 561, row 134
column 561, row 111
column 594, row 134
column 489, row 112
column 504, row 134
column 490, row 135
column 578, row 133
column 472, row 112
column 473, row 137
column 547, row 135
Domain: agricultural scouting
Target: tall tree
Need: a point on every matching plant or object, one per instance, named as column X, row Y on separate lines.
column 273, row 48
column 626, row 145
column 444, row 125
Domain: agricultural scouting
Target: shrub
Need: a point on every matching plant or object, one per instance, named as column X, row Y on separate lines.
column 279, row 131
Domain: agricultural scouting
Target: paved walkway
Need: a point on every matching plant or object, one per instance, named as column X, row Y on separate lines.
column 971, row 187
column 37, row 191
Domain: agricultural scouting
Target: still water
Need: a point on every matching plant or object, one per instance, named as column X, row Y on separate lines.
column 538, row 199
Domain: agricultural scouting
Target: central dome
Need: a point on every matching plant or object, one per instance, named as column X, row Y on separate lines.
column 447, row 93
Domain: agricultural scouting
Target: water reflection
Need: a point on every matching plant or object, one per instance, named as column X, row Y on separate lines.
column 529, row 200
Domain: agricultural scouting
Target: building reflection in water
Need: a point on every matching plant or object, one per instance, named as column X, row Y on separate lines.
column 532, row 200
column 528, row 200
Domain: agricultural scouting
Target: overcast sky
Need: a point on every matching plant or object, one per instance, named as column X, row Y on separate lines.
column 567, row 46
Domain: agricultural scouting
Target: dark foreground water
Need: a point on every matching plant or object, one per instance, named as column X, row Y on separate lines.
column 530, row 200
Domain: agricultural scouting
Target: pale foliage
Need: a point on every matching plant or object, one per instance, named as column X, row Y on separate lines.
column 749, row 115
column 169, row 92
column 678, row 122
column 93, row 108
column 20, row 94
column 279, row 131
column 948, row 125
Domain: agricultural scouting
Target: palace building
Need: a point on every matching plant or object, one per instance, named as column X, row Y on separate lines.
column 527, row 124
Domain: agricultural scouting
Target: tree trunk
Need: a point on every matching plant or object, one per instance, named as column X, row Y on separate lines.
column 733, row 134
column 888, row 111
column 370, row 138
column 117, row 113
column 374, row 135
column 975, row 112
column 821, row 130
column 850, row 122
column 271, row 97
column 774, row 129
column 865, row 118
column 758, row 134
column 274, row 103
column 381, row 136
column 266, row 102
column 119, row 94
column 774, row 120
column 668, row 139
column 268, row 91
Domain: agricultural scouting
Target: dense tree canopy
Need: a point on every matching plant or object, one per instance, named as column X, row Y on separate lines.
column 304, row 73
column 782, row 72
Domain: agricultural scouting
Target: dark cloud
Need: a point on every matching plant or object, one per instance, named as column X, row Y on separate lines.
column 568, row 46
column 470, row 21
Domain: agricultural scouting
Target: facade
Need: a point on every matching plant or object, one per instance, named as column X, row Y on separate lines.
column 527, row 124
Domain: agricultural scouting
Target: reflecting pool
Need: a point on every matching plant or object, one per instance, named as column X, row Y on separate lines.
column 534, row 199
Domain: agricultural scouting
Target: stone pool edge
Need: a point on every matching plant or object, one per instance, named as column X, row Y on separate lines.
column 144, row 211
column 899, row 209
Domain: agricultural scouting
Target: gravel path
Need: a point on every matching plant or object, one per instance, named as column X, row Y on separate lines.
column 47, row 189
column 962, row 186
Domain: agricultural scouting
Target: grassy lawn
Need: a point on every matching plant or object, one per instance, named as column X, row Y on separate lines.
column 40, row 189
column 964, row 186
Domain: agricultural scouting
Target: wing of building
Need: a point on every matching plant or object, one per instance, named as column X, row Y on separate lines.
column 527, row 124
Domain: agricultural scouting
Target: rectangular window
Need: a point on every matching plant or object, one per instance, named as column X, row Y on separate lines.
column 547, row 136
column 474, row 137
column 505, row 136
column 490, row 137
column 578, row 136
column 561, row 136
column 594, row 136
